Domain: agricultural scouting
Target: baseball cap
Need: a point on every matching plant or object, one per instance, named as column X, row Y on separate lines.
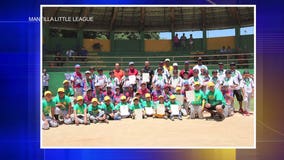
column 178, row 89
column 147, row 95
column 167, row 60
column 137, row 93
column 186, row 62
column 89, row 89
column 161, row 96
column 195, row 71
column 100, row 69
column 131, row 63
column 175, row 64
column 79, row 98
column 199, row 59
column 87, row 72
column 108, row 86
column 246, row 72
column 65, row 81
column 126, row 70
column 228, row 72
column 161, row 62
column 60, row 90
column 47, row 92
column 94, row 100
column 196, row 83
column 160, row 68
column 143, row 82
column 214, row 71
column 210, row 84
column 185, row 83
column 107, row 98
column 232, row 64
column 122, row 98
column 77, row 66
column 111, row 72
column 172, row 97
column 220, row 63
column 135, row 98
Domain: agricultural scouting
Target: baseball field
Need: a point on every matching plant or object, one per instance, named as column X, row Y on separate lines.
column 235, row 131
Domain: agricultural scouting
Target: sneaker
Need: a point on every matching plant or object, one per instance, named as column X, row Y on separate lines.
column 246, row 113
column 95, row 121
column 172, row 118
column 179, row 118
column 165, row 117
column 241, row 111
column 106, row 121
column 145, row 117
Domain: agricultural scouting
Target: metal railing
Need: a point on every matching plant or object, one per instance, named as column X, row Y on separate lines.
column 107, row 62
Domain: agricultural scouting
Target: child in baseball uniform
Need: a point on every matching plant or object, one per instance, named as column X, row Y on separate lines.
column 123, row 102
column 63, row 107
column 173, row 101
column 80, row 112
column 228, row 95
column 160, row 101
column 48, row 107
column 136, row 105
column 196, row 104
column 109, row 109
column 95, row 113
column 248, row 86
column 148, row 105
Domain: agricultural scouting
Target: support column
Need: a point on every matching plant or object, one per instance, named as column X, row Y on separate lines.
column 237, row 38
column 45, row 38
column 80, row 38
column 112, row 45
column 142, row 42
column 204, row 40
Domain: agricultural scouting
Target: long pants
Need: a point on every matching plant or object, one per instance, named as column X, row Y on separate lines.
column 247, row 102
column 80, row 118
column 97, row 116
column 116, row 116
column 195, row 109
column 63, row 113
column 51, row 123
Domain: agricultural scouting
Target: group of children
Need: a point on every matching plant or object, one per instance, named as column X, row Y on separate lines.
column 95, row 98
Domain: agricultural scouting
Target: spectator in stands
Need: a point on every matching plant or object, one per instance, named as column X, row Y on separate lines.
column 148, row 69
column 45, row 80
column 70, row 53
column 183, row 41
column 84, row 53
column 76, row 81
column 176, row 41
column 168, row 67
column 191, row 42
column 186, row 69
column 229, row 50
column 223, row 50
column 200, row 65
column 118, row 73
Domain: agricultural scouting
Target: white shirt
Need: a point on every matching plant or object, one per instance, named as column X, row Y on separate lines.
column 45, row 79
column 101, row 80
column 69, row 53
column 247, row 84
column 191, row 80
column 165, row 72
column 230, row 82
column 221, row 73
column 238, row 77
column 199, row 68
column 161, row 79
column 176, row 81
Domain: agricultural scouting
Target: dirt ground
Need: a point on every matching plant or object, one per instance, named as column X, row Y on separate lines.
column 235, row 131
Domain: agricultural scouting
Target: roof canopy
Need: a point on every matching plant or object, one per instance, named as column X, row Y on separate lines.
column 156, row 19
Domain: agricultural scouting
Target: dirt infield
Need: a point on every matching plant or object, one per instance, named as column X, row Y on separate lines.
column 235, row 131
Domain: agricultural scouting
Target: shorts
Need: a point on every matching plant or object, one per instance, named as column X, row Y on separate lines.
column 214, row 107
column 238, row 95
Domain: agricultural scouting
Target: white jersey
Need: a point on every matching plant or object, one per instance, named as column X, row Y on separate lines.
column 113, row 82
column 101, row 80
column 238, row 77
column 45, row 79
column 247, row 84
column 192, row 79
column 161, row 79
column 199, row 67
column 230, row 82
column 221, row 73
column 165, row 73
column 176, row 81
column 217, row 81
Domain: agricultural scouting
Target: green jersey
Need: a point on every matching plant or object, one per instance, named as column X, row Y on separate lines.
column 148, row 104
column 198, row 97
column 134, row 106
column 93, row 110
column 169, row 103
column 65, row 101
column 69, row 91
column 215, row 98
column 109, row 108
column 46, row 106
column 117, row 107
column 80, row 108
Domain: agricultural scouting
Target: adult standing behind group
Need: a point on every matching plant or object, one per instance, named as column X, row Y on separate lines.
column 200, row 65
column 148, row 70
column 186, row 69
column 168, row 67
column 118, row 73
